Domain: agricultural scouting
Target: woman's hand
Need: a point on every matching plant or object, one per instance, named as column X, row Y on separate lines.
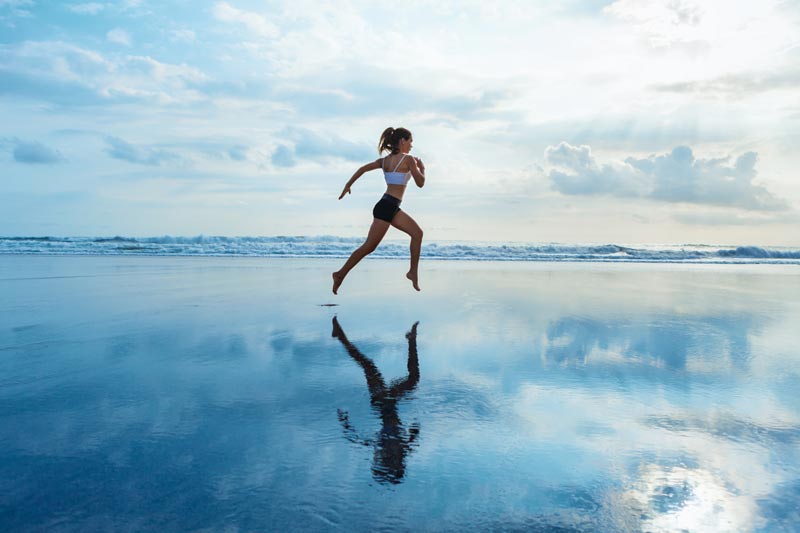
column 418, row 171
column 346, row 190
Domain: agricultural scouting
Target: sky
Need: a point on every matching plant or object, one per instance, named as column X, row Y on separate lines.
column 628, row 121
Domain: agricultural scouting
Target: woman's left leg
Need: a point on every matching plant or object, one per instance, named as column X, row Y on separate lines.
column 406, row 224
column 374, row 237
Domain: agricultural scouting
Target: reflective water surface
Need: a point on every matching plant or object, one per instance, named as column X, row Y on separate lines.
column 166, row 393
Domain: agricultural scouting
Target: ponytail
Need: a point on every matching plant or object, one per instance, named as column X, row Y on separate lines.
column 385, row 144
column 390, row 138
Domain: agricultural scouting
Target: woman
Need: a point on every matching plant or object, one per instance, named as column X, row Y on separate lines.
column 398, row 167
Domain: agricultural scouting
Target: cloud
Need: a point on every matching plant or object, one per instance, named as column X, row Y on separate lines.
column 183, row 36
column 54, row 59
column 15, row 8
column 283, row 157
column 658, row 13
column 365, row 92
column 736, row 85
column 238, row 152
column 254, row 22
column 119, row 36
column 31, row 152
column 675, row 177
column 68, row 74
column 665, row 23
column 64, row 73
column 123, row 150
column 575, row 171
column 304, row 144
column 745, row 219
column 15, row 3
column 91, row 8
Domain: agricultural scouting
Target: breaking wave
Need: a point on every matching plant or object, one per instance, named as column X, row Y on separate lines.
column 331, row 246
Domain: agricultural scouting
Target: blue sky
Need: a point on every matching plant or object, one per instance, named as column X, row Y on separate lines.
column 628, row 121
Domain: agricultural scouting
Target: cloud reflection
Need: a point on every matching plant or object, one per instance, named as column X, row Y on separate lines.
column 689, row 499
column 664, row 341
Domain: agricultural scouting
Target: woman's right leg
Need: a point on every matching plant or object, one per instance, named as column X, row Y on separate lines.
column 405, row 223
column 374, row 237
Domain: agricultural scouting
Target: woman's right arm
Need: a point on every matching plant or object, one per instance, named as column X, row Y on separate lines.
column 417, row 168
column 366, row 168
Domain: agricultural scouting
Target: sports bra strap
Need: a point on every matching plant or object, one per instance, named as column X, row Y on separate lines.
column 398, row 163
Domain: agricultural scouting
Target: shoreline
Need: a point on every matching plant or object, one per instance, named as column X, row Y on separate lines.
column 371, row 264
column 373, row 257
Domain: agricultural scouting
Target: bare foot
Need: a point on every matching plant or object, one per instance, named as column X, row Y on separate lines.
column 337, row 281
column 413, row 278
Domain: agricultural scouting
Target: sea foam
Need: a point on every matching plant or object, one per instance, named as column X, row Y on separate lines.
column 339, row 247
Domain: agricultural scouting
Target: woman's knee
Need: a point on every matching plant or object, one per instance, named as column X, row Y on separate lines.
column 417, row 235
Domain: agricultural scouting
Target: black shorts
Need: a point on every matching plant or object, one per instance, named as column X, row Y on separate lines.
column 386, row 208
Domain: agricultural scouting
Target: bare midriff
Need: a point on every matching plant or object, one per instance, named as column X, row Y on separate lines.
column 396, row 190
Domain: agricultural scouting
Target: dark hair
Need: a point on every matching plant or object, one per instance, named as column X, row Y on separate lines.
column 390, row 138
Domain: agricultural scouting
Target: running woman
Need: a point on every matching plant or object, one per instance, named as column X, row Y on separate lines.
column 398, row 168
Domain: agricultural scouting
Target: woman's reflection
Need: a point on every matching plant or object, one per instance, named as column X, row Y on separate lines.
column 392, row 443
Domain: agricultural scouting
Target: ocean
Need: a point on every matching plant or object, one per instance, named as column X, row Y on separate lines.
column 340, row 247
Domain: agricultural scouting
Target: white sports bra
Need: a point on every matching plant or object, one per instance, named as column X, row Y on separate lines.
column 394, row 177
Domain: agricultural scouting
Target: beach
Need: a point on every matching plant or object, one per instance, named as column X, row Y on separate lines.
column 238, row 393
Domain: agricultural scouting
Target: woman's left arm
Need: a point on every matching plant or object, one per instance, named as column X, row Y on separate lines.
column 366, row 168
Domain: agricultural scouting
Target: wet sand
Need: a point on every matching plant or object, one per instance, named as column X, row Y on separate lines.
column 191, row 393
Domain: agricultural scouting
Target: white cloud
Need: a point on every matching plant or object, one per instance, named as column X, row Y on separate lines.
column 738, row 85
column 665, row 22
column 65, row 72
column 674, row 177
column 15, row 10
column 125, row 151
column 119, row 36
column 254, row 22
column 724, row 217
column 574, row 170
column 680, row 177
column 729, row 33
column 15, row 3
column 91, row 8
column 184, row 36
column 310, row 145
column 55, row 59
column 163, row 72
column 144, row 78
